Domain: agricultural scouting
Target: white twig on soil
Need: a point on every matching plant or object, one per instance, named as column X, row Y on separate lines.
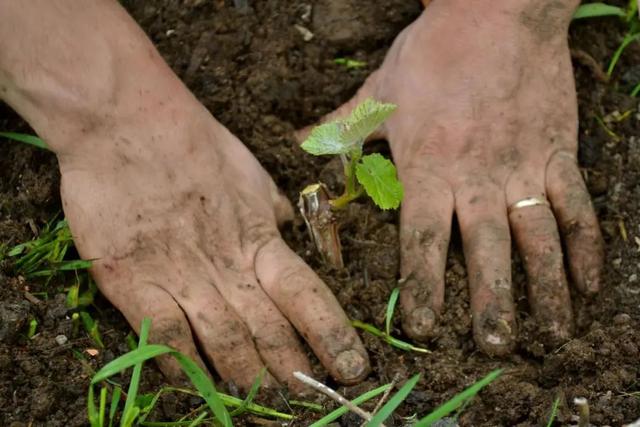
column 583, row 411
column 322, row 388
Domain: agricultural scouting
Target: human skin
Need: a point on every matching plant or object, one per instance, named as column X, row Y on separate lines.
column 182, row 220
column 486, row 117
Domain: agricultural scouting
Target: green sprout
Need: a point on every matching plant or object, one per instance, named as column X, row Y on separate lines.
column 350, row 64
column 628, row 15
column 137, row 407
column 370, row 174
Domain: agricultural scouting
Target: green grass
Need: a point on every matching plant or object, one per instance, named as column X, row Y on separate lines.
column 26, row 139
column 628, row 15
column 138, row 407
column 48, row 256
column 392, row 341
column 598, row 10
column 554, row 412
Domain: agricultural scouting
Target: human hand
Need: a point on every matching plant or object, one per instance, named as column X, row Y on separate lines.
column 486, row 127
column 184, row 231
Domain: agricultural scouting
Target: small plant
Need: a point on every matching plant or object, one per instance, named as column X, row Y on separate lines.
column 371, row 174
column 25, row 138
column 137, row 407
column 630, row 15
column 350, row 64
column 382, row 412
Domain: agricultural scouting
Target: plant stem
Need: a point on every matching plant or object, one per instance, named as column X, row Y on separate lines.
column 316, row 209
column 342, row 201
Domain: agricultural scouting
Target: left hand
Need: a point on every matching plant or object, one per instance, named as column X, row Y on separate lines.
column 487, row 117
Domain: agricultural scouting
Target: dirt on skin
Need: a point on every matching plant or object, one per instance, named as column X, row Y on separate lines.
column 256, row 73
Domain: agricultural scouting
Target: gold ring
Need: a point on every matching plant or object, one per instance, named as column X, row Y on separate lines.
column 527, row 202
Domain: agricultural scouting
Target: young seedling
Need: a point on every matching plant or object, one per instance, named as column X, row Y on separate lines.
column 630, row 15
column 371, row 174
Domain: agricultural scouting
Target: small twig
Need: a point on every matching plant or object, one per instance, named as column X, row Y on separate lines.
column 322, row 388
column 583, row 411
column 385, row 396
column 588, row 61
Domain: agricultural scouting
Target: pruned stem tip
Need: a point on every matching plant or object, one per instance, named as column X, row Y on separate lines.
column 315, row 207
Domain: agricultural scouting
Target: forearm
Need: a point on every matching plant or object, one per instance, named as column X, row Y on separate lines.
column 70, row 67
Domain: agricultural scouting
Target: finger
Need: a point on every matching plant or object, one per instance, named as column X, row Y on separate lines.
column 281, row 205
column 536, row 235
column 367, row 90
column 313, row 310
column 138, row 298
column 273, row 335
column 425, row 224
column 221, row 333
column 484, row 227
column 577, row 220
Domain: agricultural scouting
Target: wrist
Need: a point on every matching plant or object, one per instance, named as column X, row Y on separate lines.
column 87, row 68
column 542, row 23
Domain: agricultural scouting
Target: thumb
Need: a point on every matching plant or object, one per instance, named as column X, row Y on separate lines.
column 367, row 90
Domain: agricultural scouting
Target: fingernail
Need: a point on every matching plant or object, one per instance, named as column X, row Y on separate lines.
column 592, row 281
column 420, row 323
column 351, row 366
column 497, row 339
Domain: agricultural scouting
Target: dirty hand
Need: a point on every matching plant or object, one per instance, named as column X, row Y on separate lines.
column 179, row 216
column 486, row 119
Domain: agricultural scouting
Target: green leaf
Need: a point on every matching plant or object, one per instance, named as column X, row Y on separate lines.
column 391, row 306
column 92, row 411
column 115, row 400
column 27, row 139
column 350, row 63
column 394, row 402
column 365, row 119
column 129, row 359
column 457, row 400
column 395, row 342
column 554, row 412
column 378, row 177
column 205, row 386
column 252, row 394
column 132, row 393
column 326, row 139
column 595, row 10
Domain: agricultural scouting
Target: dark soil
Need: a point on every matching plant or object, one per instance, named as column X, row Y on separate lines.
column 258, row 76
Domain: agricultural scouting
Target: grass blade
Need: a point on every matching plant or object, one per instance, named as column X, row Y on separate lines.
column 391, row 306
column 554, row 412
column 197, row 421
column 386, row 411
column 635, row 90
column 458, row 400
column 205, row 386
column 395, row 342
column 628, row 39
column 334, row 415
column 27, row 139
column 130, row 359
column 115, row 401
column 103, row 406
column 132, row 393
column 92, row 411
column 596, row 10
column 252, row 394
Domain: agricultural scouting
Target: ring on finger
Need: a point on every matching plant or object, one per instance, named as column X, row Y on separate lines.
column 527, row 202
